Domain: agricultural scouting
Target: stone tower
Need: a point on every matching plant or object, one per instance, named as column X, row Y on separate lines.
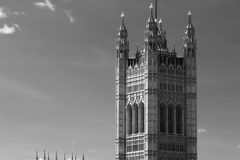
column 156, row 96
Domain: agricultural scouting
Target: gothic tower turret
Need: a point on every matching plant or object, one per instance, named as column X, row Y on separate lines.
column 156, row 96
column 122, row 49
column 189, row 49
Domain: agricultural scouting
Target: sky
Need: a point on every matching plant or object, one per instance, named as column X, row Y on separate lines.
column 57, row 73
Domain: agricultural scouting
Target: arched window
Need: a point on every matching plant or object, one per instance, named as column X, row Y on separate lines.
column 170, row 119
column 129, row 119
column 141, row 118
column 179, row 119
column 135, row 118
column 162, row 117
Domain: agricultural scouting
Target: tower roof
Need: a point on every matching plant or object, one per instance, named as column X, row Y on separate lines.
column 190, row 25
column 122, row 27
column 151, row 18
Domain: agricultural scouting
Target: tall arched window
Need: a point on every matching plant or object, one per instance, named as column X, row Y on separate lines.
column 170, row 118
column 129, row 119
column 179, row 119
column 141, row 118
column 135, row 118
column 162, row 117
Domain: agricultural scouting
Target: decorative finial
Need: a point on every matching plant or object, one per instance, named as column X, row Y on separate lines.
column 151, row 6
column 36, row 155
column 160, row 20
column 44, row 156
column 122, row 15
column 48, row 156
column 56, row 156
column 83, row 157
column 189, row 13
column 156, row 9
column 137, row 47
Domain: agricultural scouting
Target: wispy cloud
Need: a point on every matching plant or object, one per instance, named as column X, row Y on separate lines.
column 9, row 30
column 201, row 130
column 47, row 4
column 5, row 12
column 68, row 14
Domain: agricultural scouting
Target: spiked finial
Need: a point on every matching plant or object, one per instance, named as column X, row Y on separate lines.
column 36, row 155
column 56, row 156
column 122, row 27
column 64, row 158
column 48, row 156
column 189, row 15
column 44, row 157
column 190, row 25
column 72, row 156
column 75, row 156
column 151, row 18
column 83, row 157
column 156, row 9
column 151, row 9
column 151, row 6
column 122, row 15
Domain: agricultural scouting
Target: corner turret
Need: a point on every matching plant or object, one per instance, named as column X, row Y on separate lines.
column 122, row 42
column 190, row 43
column 152, row 22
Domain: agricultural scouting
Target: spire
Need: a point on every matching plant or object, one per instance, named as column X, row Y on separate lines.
column 189, row 26
column 151, row 18
column 122, row 27
column 48, row 156
column 64, row 157
column 44, row 157
column 75, row 156
column 83, row 157
column 156, row 9
column 56, row 156
column 36, row 155
column 72, row 156
column 137, row 47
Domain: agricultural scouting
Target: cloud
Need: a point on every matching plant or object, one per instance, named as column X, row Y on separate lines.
column 201, row 130
column 17, row 26
column 68, row 14
column 5, row 12
column 9, row 30
column 47, row 4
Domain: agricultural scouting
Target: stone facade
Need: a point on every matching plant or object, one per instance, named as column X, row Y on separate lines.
column 156, row 96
